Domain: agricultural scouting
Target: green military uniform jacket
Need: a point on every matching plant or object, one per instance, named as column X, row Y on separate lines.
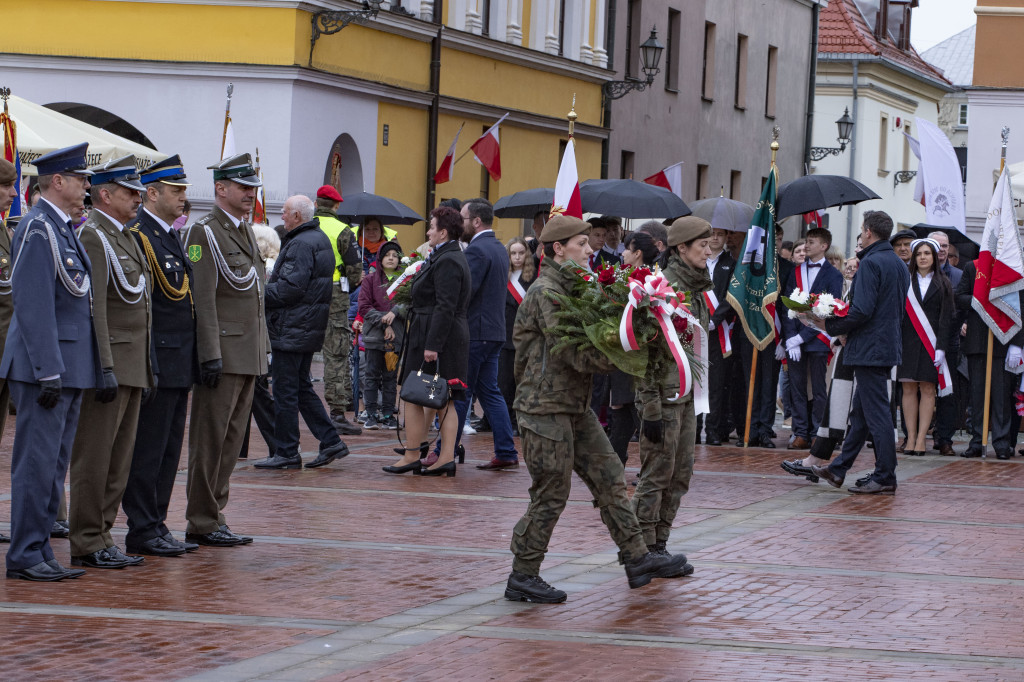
column 123, row 321
column 551, row 383
column 651, row 395
column 230, row 318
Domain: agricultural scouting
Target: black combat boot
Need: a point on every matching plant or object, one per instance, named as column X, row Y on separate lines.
column 652, row 565
column 660, row 548
column 532, row 588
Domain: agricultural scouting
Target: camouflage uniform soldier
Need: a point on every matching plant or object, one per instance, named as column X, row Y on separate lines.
column 560, row 434
column 669, row 424
column 338, row 341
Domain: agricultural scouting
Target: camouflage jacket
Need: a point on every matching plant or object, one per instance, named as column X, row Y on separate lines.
column 546, row 382
column 651, row 395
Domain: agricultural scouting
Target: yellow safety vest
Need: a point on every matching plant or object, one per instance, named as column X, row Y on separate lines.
column 332, row 227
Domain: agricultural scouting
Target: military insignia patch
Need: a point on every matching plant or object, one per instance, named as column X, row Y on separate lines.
column 195, row 252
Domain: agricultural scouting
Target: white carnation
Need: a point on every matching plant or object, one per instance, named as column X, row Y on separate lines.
column 822, row 308
column 799, row 296
column 793, row 314
column 827, row 299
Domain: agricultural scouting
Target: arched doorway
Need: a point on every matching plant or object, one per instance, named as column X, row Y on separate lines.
column 102, row 119
column 344, row 169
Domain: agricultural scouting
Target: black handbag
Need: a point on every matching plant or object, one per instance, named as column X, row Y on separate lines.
column 425, row 390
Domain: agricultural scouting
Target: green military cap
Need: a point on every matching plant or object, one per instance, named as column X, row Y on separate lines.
column 562, row 227
column 687, row 229
column 238, row 169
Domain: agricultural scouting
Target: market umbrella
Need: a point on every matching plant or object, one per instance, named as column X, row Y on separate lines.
column 524, row 204
column 724, row 214
column 967, row 247
column 816, row 192
column 388, row 211
column 42, row 130
column 630, row 199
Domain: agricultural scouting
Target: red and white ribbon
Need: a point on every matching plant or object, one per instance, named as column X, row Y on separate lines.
column 927, row 335
column 664, row 304
column 724, row 329
column 409, row 272
column 515, row 288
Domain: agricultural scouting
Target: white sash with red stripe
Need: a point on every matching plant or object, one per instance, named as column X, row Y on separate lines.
column 724, row 339
column 409, row 272
column 927, row 335
column 515, row 288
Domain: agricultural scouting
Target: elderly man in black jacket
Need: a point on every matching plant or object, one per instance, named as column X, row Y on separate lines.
column 298, row 300
column 872, row 348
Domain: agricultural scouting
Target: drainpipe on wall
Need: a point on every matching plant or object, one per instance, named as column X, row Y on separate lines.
column 606, row 113
column 435, row 108
column 853, row 158
column 811, row 76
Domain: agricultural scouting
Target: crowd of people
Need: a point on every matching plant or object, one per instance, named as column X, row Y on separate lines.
column 121, row 314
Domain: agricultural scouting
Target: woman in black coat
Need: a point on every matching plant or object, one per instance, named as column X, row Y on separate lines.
column 521, row 273
column 438, row 339
column 918, row 371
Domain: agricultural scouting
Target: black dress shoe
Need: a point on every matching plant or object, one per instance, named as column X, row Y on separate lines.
column 101, row 558
column 797, row 468
column 116, row 552
column 712, row 441
column 156, row 547
column 246, row 540
column 279, row 462
column 68, row 572
column 328, row 455
column 447, row 469
column 763, row 442
column 215, row 539
column 4, row 539
column 414, row 467
column 873, row 487
column 187, row 546
column 60, row 529
column 971, row 453
column 41, row 572
column 826, row 473
column 1004, row 454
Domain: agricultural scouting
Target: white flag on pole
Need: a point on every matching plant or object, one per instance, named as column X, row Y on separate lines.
column 943, row 181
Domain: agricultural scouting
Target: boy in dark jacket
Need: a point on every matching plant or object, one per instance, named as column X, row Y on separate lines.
column 382, row 338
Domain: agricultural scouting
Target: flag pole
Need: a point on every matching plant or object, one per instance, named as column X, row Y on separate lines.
column 227, row 120
column 988, row 354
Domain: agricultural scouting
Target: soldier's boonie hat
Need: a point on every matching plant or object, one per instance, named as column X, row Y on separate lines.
column 169, row 171
column 120, row 171
column 237, row 169
column 562, row 227
column 67, row 160
column 687, row 229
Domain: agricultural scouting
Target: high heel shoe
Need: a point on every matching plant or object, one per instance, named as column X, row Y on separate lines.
column 460, row 453
column 414, row 468
column 422, row 448
column 443, row 470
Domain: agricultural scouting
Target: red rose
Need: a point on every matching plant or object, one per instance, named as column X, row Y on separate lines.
column 606, row 276
column 841, row 309
column 680, row 323
column 640, row 274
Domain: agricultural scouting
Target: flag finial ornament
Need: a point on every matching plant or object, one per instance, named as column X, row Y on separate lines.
column 775, row 142
column 572, row 114
column 1005, row 132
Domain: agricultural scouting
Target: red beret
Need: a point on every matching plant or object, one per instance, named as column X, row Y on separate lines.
column 328, row 192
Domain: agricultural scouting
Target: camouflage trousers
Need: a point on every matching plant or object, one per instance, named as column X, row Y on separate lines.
column 337, row 347
column 665, row 471
column 554, row 446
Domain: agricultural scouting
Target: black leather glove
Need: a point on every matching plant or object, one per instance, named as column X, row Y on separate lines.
column 147, row 395
column 210, row 371
column 654, row 431
column 108, row 391
column 49, row 393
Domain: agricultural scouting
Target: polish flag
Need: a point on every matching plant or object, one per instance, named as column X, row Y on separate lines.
column 487, row 150
column 567, row 186
column 444, row 172
column 1000, row 266
column 670, row 178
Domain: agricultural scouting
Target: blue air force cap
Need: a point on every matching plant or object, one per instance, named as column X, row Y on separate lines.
column 67, row 160
column 170, row 171
column 120, row 171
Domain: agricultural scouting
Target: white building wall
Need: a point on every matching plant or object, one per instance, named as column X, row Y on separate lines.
column 990, row 110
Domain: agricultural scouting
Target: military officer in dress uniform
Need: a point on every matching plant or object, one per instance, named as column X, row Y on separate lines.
column 49, row 359
column 232, row 344
column 161, row 429
column 122, row 319
column 8, row 191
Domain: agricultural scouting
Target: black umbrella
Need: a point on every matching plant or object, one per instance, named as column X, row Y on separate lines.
column 817, row 192
column 388, row 211
column 724, row 214
column 630, row 199
column 965, row 246
column 525, row 204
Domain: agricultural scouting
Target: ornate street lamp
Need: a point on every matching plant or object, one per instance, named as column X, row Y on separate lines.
column 329, row 22
column 650, row 56
column 845, row 126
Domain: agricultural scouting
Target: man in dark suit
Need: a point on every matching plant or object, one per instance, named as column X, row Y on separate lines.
column 49, row 359
column 488, row 266
column 161, row 427
column 720, row 267
column 946, row 412
column 598, row 234
column 877, row 299
column 806, row 346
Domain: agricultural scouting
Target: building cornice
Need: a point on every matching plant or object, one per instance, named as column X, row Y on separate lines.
column 872, row 90
column 523, row 56
column 839, row 57
column 994, row 11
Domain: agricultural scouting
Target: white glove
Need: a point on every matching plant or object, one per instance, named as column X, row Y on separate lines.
column 780, row 352
column 794, row 353
column 940, row 357
column 1013, row 359
column 711, row 325
column 793, row 342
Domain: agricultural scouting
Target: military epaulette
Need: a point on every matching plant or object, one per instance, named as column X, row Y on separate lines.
column 134, row 227
column 204, row 220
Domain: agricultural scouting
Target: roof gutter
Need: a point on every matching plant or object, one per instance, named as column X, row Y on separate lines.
column 894, row 65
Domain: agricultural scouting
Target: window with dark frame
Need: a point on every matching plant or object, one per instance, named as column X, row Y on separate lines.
column 770, row 81
column 707, row 81
column 632, row 38
column 741, row 71
column 702, row 181
column 672, row 51
column 626, row 165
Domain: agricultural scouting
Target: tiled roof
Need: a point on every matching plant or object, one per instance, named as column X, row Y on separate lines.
column 954, row 56
column 843, row 29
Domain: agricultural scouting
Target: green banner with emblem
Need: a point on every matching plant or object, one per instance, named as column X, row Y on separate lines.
column 754, row 285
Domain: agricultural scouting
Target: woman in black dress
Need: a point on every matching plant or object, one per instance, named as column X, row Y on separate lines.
column 918, row 372
column 438, row 337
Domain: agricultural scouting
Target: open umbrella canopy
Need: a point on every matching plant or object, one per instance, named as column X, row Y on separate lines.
column 388, row 211
column 630, row 199
column 42, row 130
column 724, row 214
column 816, row 192
column 967, row 247
column 525, row 204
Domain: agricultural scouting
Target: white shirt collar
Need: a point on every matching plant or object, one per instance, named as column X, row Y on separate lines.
column 60, row 214
column 234, row 221
column 159, row 221
column 480, row 233
column 817, row 262
column 714, row 259
column 120, row 227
